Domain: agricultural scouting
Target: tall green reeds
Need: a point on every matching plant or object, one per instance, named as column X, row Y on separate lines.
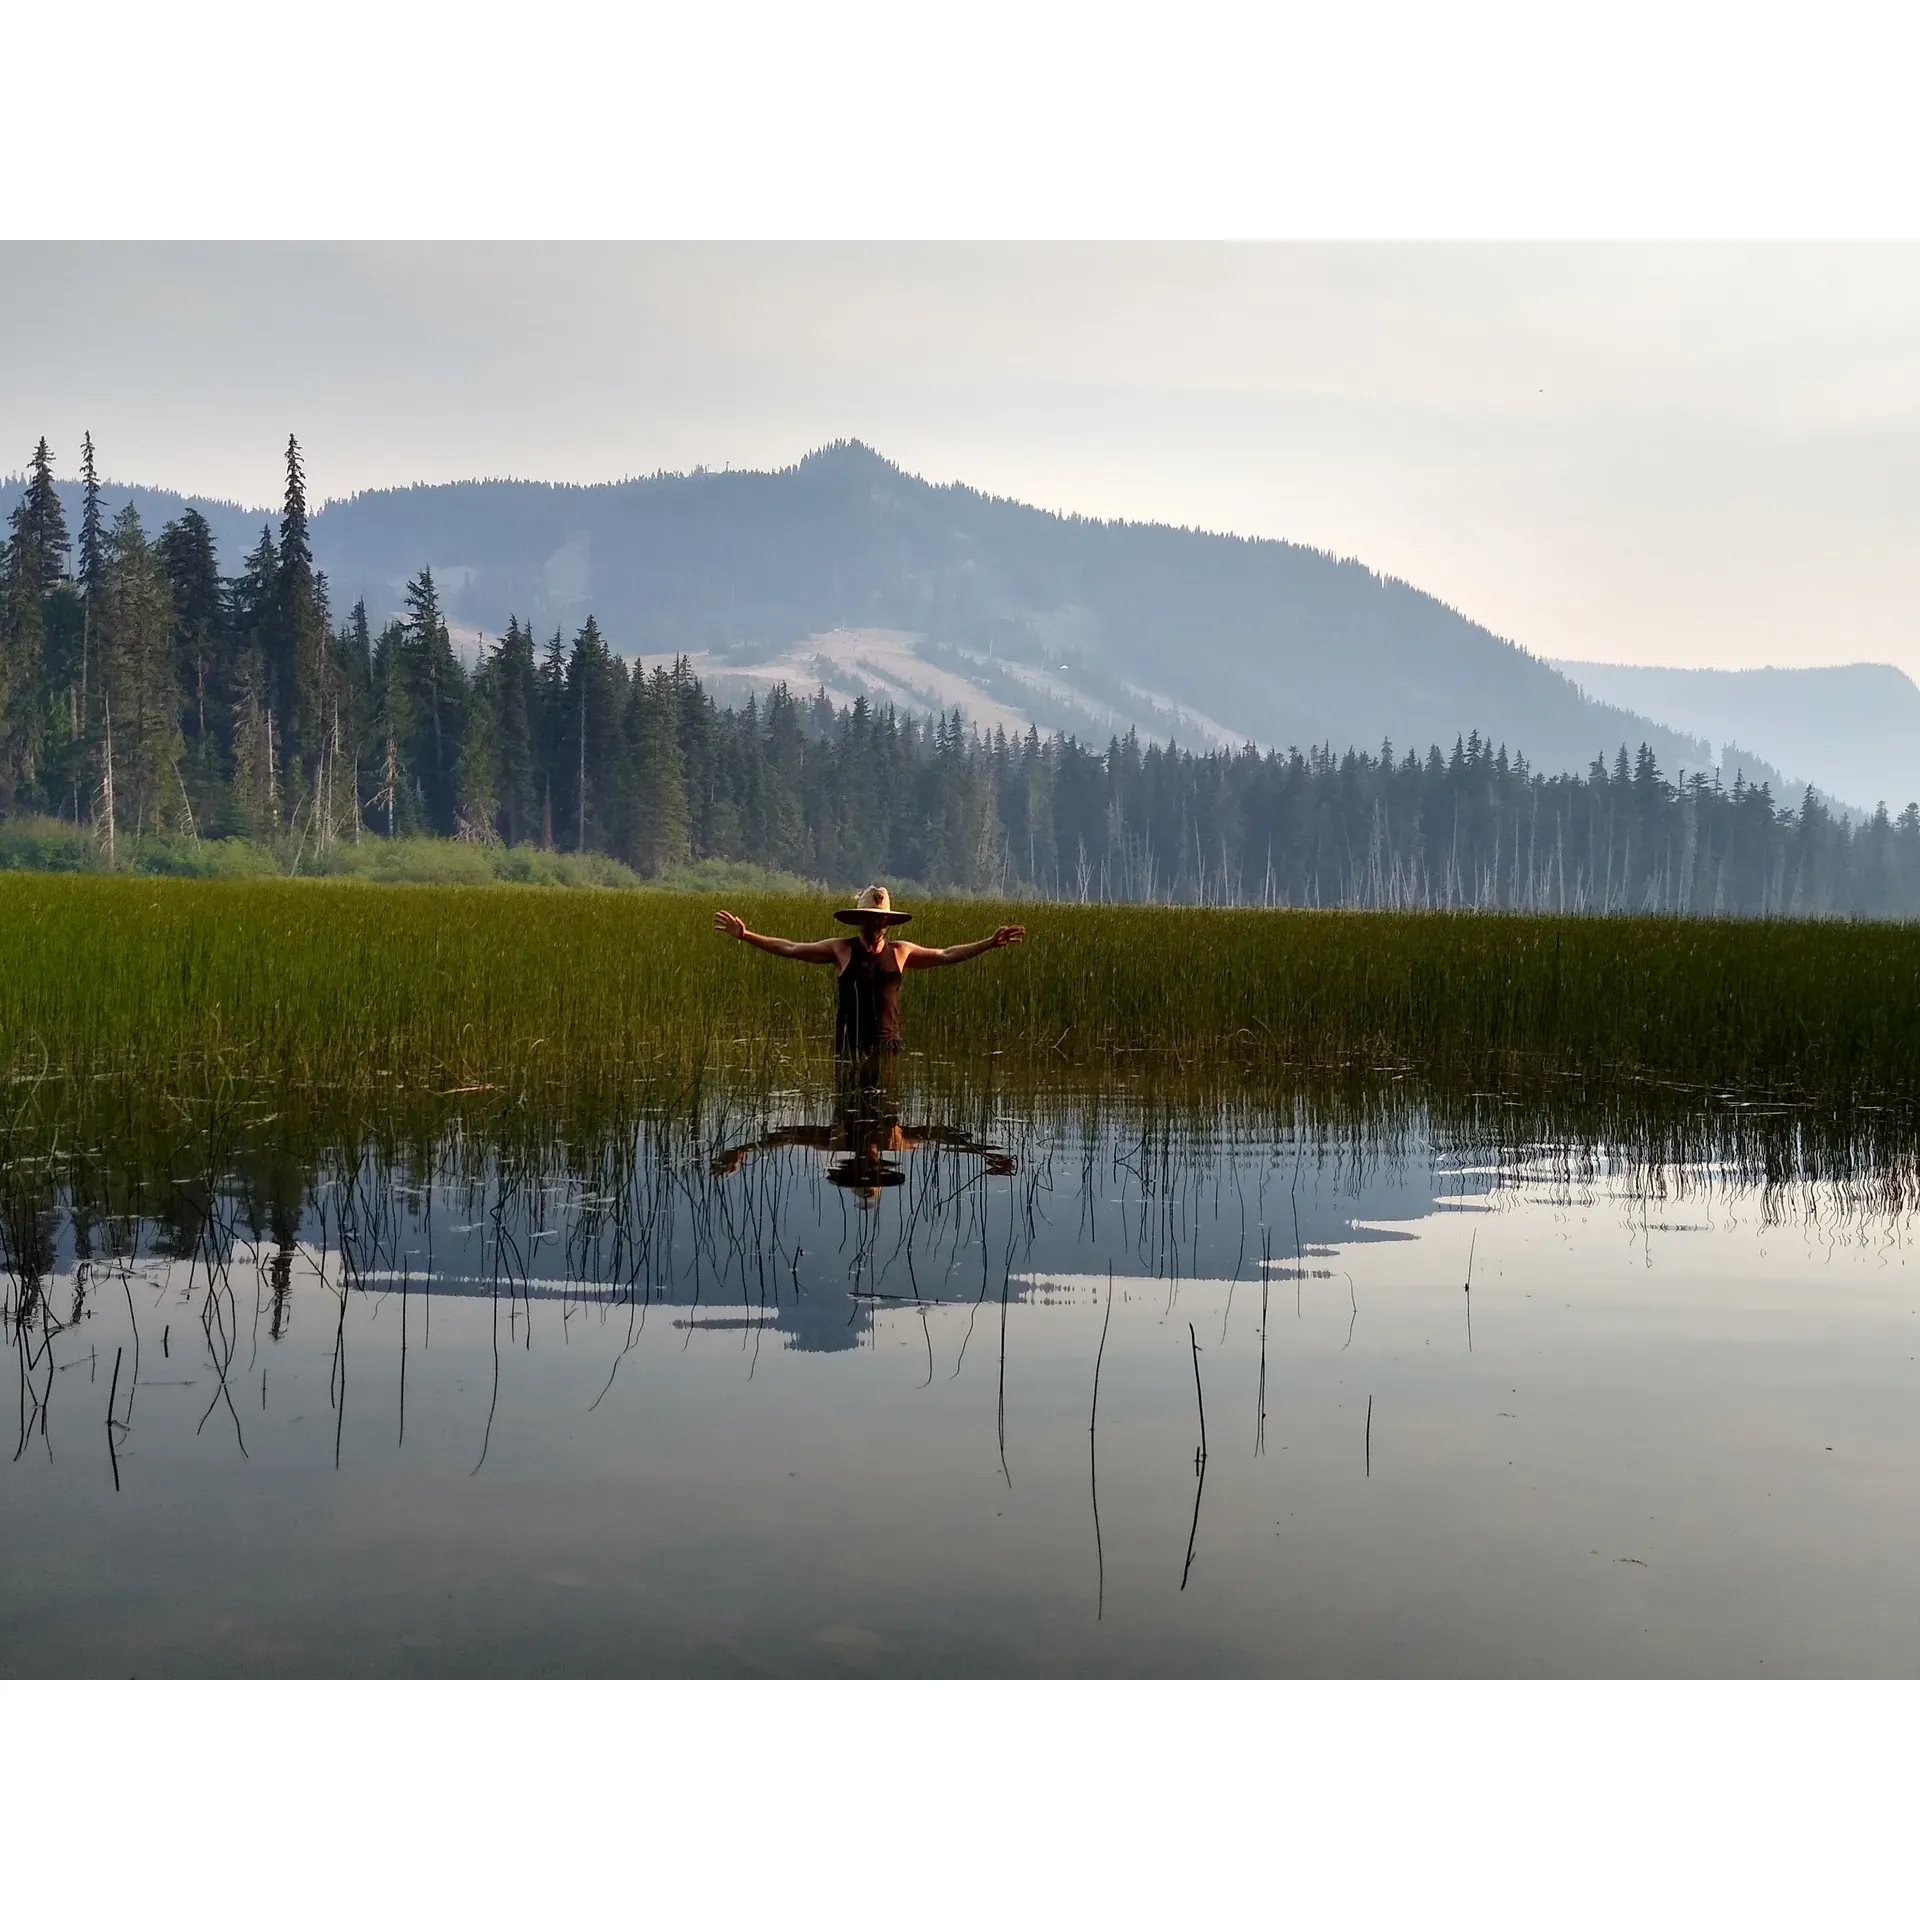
column 343, row 985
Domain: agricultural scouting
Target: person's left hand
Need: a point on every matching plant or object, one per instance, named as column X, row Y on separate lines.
column 1008, row 936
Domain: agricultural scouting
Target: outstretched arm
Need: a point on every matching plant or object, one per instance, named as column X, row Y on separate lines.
column 821, row 1137
column 996, row 1159
column 952, row 956
column 819, row 953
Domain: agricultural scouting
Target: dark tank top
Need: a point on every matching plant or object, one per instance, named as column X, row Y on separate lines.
column 868, row 1019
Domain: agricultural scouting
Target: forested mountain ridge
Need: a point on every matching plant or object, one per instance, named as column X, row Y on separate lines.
column 144, row 693
column 1058, row 620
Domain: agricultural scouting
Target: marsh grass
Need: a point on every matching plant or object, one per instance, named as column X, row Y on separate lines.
column 505, row 989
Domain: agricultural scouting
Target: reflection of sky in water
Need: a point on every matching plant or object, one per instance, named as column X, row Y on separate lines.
column 764, row 1420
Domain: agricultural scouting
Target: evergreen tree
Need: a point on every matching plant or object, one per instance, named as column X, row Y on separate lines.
column 551, row 733
column 300, row 633
column 253, row 598
column 187, row 557
column 657, row 837
column 36, row 558
column 136, row 657
column 360, row 639
column 476, row 789
column 354, row 702
column 591, row 763
column 515, row 701
column 20, row 654
column 253, row 794
column 93, row 548
column 42, row 523
column 257, row 745
column 439, row 689
column 393, row 807
column 432, row 682
column 783, row 838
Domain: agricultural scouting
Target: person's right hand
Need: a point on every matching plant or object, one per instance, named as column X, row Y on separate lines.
column 730, row 924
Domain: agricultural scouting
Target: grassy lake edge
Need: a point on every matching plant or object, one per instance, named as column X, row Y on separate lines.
column 339, row 983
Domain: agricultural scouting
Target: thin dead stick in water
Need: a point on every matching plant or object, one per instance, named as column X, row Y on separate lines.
column 1369, row 1436
column 1299, row 1260
column 111, row 1391
column 487, row 1438
column 133, row 1386
column 1260, row 1401
column 1093, row 1463
column 1199, row 1460
column 1006, row 1282
column 1471, row 1244
column 1195, row 1338
column 402, row 1440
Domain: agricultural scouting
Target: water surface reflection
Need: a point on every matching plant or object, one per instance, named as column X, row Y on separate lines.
column 911, row 1378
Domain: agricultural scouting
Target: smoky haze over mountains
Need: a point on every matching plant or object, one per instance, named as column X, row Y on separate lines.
column 1016, row 613
column 1850, row 730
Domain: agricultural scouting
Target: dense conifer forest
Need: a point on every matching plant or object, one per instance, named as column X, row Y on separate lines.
column 143, row 694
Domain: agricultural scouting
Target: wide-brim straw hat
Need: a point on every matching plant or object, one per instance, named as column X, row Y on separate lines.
column 863, row 1176
column 874, row 908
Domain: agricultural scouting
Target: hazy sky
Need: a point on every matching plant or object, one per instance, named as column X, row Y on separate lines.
column 1699, row 455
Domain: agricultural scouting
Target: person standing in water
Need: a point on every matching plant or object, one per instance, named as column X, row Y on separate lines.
column 870, row 966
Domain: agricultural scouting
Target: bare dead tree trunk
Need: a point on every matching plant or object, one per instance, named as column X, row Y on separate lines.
column 106, row 784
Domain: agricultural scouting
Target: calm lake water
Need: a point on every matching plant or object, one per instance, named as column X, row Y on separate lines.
column 884, row 1382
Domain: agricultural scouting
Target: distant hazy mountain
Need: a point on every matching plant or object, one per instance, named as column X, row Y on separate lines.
column 1854, row 730
column 1084, row 624
column 235, row 528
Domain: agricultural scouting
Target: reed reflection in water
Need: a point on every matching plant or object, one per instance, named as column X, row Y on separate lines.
column 964, row 1378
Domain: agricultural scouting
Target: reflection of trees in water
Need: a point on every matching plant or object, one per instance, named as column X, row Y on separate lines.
column 810, row 1214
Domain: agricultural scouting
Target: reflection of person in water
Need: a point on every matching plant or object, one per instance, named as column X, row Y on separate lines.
column 864, row 1140
column 870, row 966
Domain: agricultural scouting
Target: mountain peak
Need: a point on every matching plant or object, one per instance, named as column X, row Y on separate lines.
column 847, row 457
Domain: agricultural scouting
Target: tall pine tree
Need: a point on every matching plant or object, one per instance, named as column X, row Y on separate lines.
column 43, row 521
column 393, row 723
column 36, row 560
column 93, row 539
column 141, row 688
column 300, row 635
column 476, row 782
column 589, row 759
column 206, row 691
column 550, row 740
column 657, row 838
column 515, row 703
column 439, row 688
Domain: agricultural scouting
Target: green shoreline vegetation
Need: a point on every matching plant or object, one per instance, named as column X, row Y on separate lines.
column 346, row 987
column 38, row 845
